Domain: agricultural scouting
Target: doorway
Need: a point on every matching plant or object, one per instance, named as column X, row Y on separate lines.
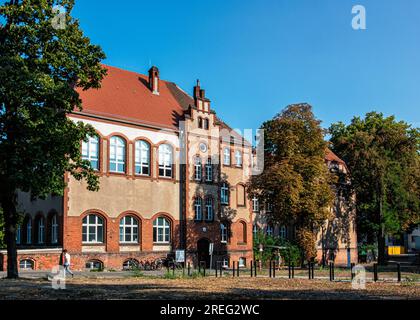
column 203, row 251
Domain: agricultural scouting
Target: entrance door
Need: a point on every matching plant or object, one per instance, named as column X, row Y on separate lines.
column 203, row 251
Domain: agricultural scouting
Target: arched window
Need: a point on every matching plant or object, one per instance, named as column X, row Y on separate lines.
column 255, row 204
column 200, row 122
column 209, row 170
column 165, row 160
column 224, row 193
column 269, row 230
column 209, row 209
column 226, row 156
column 18, row 228
column 242, row 237
column 129, row 230
column 90, row 151
column 240, row 195
column 26, row 264
column 161, row 230
column 223, row 233
column 142, row 157
column 197, row 169
column 28, row 227
column 117, row 154
column 54, row 229
column 130, row 264
column 206, row 124
column 93, row 229
column 198, row 209
column 238, row 158
column 41, row 230
column 95, row 265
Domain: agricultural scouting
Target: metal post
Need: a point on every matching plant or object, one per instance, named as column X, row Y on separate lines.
column 221, row 269
column 330, row 265
column 289, row 268
column 237, row 270
column 199, row 266
column 189, row 269
column 255, row 269
column 333, row 275
column 269, row 268
column 274, row 269
column 313, row 266
column 233, row 268
column 173, row 268
column 251, row 269
column 293, row 271
column 399, row 272
column 375, row 272
column 204, row 268
column 215, row 269
column 309, row 269
column 352, row 273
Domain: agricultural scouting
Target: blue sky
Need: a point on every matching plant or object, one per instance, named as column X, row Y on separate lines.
column 255, row 57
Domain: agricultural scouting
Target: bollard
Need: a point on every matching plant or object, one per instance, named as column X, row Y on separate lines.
column 189, row 269
column 199, row 267
column 333, row 275
column 204, row 267
column 351, row 268
column 269, row 268
column 237, row 270
column 251, row 269
column 173, row 268
column 221, row 269
column 233, row 268
column 274, row 269
column 289, row 268
column 183, row 269
column 293, row 271
column 215, row 269
column 313, row 267
column 255, row 269
column 399, row 272
column 330, row 265
column 375, row 272
column 309, row 270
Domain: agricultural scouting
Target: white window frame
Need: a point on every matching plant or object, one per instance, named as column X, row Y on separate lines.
column 165, row 160
column 41, row 231
column 26, row 263
column 198, row 209
column 223, row 233
column 209, row 170
column 255, row 230
column 209, row 209
column 166, row 230
column 133, row 229
column 226, row 156
column 117, row 154
column 142, row 158
column 283, row 232
column 224, row 194
column 198, row 169
column 97, row 225
column 238, row 158
column 88, row 151
column 269, row 230
column 255, row 204
column 54, row 229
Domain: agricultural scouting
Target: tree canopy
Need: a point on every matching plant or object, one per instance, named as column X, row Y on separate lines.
column 383, row 158
column 41, row 66
column 295, row 180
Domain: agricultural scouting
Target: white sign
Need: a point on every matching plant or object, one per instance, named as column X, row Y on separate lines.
column 180, row 255
column 211, row 246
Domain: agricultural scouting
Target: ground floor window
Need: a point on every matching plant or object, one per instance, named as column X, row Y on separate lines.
column 225, row 263
column 242, row 262
column 130, row 264
column 26, row 264
column 94, row 265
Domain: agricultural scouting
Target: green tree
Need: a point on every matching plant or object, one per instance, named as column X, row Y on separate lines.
column 383, row 158
column 42, row 63
column 295, row 179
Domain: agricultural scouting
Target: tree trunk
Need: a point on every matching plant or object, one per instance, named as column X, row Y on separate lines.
column 10, row 221
column 381, row 235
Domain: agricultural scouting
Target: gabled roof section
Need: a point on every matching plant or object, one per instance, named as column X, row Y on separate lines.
column 125, row 95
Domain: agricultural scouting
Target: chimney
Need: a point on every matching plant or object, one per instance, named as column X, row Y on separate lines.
column 197, row 90
column 154, row 80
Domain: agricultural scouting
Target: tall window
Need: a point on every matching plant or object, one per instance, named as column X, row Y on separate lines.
column 41, row 230
column 283, row 232
column 142, row 157
column 269, row 230
column 165, row 160
column 223, row 233
column 206, row 124
column 269, row 207
column 197, row 169
column 243, row 236
column 224, row 193
column 226, row 156
column 209, row 209
column 129, row 230
column 29, row 231
column 161, row 230
column 117, row 155
column 92, row 229
column 240, row 195
column 209, row 170
column 238, row 158
column 255, row 204
column 90, row 151
column 54, row 229
column 198, row 209
column 18, row 234
column 200, row 122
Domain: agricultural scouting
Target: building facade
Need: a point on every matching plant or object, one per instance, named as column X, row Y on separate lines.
column 172, row 177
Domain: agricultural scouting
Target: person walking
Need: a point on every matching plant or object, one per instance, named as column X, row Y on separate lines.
column 66, row 263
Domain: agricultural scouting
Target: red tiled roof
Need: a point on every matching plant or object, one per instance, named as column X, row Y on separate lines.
column 331, row 156
column 126, row 95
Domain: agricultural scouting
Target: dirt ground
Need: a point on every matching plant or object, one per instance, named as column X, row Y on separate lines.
column 203, row 288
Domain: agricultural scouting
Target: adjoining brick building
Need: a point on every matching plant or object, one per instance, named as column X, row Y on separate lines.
column 171, row 174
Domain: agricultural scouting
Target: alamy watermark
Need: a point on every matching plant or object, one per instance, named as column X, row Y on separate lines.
column 359, row 20
column 359, row 280
column 58, row 22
